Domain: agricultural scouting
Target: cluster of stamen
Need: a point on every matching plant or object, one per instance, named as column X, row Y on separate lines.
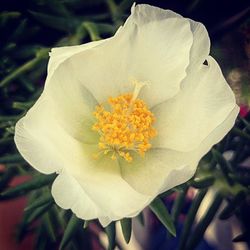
column 125, row 127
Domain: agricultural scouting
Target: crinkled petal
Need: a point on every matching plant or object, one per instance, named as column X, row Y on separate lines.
column 155, row 52
column 200, row 48
column 60, row 54
column 102, row 181
column 68, row 194
column 162, row 169
column 36, row 139
column 184, row 121
column 98, row 184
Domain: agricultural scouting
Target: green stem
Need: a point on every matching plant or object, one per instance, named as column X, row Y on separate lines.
column 43, row 54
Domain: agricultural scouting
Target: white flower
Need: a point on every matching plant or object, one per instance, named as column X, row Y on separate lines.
column 123, row 119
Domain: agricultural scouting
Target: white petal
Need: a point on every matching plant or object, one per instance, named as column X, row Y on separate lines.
column 60, row 54
column 203, row 104
column 201, row 46
column 73, row 103
column 144, row 13
column 155, row 52
column 33, row 138
column 43, row 141
column 160, row 51
column 149, row 174
column 162, row 169
column 102, row 181
column 69, row 194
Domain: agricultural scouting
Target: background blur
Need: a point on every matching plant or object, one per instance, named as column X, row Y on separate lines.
column 29, row 29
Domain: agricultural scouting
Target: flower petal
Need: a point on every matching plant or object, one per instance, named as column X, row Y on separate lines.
column 33, row 138
column 101, row 180
column 69, row 194
column 60, row 54
column 163, row 169
column 184, row 121
column 73, row 104
column 201, row 46
column 97, row 184
column 155, row 52
column 160, row 51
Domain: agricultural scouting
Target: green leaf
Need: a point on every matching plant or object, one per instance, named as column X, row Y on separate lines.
column 160, row 210
column 224, row 166
column 140, row 218
column 46, row 198
column 35, row 183
column 232, row 205
column 41, row 55
column 35, row 214
column 70, row 231
column 190, row 218
column 178, row 204
column 86, row 224
column 111, row 233
column 240, row 133
column 55, row 22
column 126, row 225
column 201, row 227
column 11, row 159
column 49, row 225
column 7, row 176
column 202, row 182
column 92, row 30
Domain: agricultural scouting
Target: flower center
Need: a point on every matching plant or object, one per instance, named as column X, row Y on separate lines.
column 125, row 126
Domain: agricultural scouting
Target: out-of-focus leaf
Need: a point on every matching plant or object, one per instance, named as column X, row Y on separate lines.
column 22, row 105
column 232, row 205
column 35, row 183
column 190, row 218
column 36, row 213
column 202, row 182
column 7, row 176
column 45, row 198
column 224, row 165
column 5, row 16
column 160, row 210
column 55, row 22
column 50, row 227
column 201, row 227
column 70, row 231
column 241, row 133
column 125, row 5
column 178, row 204
column 41, row 55
column 11, row 159
column 126, row 225
column 111, row 233
column 140, row 218
column 92, row 30
column 86, row 224
column 15, row 36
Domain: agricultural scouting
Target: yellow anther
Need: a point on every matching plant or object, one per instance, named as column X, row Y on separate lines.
column 126, row 127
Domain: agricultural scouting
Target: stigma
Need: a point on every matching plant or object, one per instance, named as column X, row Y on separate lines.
column 125, row 125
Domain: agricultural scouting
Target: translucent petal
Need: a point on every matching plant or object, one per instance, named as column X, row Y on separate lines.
column 162, row 169
column 155, row 52
column 184, row 121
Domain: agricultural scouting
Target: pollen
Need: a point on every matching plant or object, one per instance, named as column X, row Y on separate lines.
column 125, row 125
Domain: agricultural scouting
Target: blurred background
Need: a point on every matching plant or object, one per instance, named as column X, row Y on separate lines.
column 29, row 218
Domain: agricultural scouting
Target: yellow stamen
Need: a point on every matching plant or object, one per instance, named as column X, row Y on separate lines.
column 126, row 127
